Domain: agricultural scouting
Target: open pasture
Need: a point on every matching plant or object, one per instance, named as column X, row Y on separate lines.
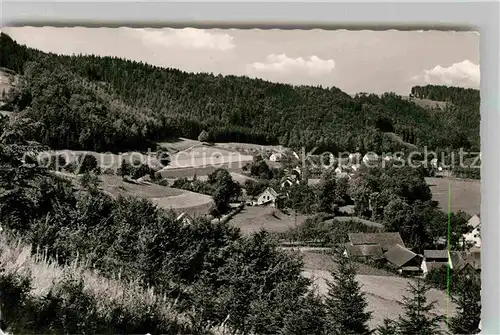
column 252, row 219
column 465, row 194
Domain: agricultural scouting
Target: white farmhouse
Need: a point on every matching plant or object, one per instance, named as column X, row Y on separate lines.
column 268, row 197
column 474, row 237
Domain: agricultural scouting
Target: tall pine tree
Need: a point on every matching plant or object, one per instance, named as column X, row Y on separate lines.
column 468, row 299
column 417, row 319
column 345, row 302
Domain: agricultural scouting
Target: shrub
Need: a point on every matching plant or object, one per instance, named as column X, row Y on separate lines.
column 205, row 136
column 87, row 163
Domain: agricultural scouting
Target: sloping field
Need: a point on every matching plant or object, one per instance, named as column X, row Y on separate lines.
column 465, row 194
column 249, row 147
column 174, row 173
column 107, row 160
column 384, row 294
column 237, row 177
column 203, row 156
column 117, row 186
column 129, row 299
column 315, row 260
column 194, row 204
column 252, row 219
column 179, row 144
column 426, row 103
column 166, row 197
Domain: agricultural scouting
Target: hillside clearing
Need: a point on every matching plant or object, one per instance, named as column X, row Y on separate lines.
column 194, row 204
column 166, row 197
column 203, row 156
column 118, row 187
column 190, row 172
column 253, row 219
column 465, row 194
column 107, row 161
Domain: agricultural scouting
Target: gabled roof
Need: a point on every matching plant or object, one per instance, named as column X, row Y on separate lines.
column 436, row 254
column 270, row 190
column 385, row 240
column 457, row 260
column 399, row 255
column 474, row 221
column 374, row 251
column 435, row 265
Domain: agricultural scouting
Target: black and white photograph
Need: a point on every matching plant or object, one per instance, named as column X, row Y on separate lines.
column 239, row 181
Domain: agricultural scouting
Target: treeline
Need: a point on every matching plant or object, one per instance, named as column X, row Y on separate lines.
column 455, row 95
column 155, row 103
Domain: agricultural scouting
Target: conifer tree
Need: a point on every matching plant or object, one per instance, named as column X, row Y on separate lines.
column 417, row 319
column 345, row 302
column 468, row 299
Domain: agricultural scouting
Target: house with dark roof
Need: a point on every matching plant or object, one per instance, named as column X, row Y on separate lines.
column 364, row 252
column 435, row 259
column 473, row 257
column 385, row 240
column 404, row 260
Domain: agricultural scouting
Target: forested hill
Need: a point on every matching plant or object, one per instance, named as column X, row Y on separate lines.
column 106, row 103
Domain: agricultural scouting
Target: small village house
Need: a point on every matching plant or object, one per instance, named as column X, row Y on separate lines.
column 474, row 258
column 474, row 237
column 385, row 240
column 364, row 252
column 404, row 260
column 384, row 247
column 458, row 261
column 269, row 198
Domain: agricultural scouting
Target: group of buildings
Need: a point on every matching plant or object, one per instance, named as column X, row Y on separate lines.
column 389, row 249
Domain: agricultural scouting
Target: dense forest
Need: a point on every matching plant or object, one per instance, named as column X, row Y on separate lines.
column 111, row 104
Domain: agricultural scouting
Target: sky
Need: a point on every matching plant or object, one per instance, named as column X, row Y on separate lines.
column 354, row 61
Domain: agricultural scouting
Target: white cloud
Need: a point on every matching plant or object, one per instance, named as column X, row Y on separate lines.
column 465, row 74
column 283, row 64
column 188, row 38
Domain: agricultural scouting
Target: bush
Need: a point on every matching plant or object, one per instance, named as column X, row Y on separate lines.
column 205, row 136
column 54, row 162
column 87, row 163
